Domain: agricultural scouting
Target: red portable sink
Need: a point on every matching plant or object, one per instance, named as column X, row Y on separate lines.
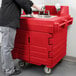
column 43, row 41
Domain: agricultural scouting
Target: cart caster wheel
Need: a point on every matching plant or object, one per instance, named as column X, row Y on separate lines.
column 22, row 64
column 47, row 70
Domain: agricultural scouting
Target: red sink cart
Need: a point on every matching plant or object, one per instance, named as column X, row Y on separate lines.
column 42, row 41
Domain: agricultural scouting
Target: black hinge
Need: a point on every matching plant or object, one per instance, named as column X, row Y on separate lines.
column 28, row 39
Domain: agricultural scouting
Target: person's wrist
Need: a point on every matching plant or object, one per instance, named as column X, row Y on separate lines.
column 32, row 14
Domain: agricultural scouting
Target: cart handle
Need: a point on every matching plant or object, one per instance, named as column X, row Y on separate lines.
column 62, row 25
column 70, row 21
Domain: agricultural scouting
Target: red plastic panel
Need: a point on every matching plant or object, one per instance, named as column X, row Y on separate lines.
column 22, row 37
column 40, row 53
column 52, row 10
column 15, row 55
column 51, row 25
column 24, row 57
column 39, row 47
column 59, row 47
column 64, row 10
column 21, row 46
column 55, row 60
column 39, row 39
column 58, row 58
column 69, row 20
column 39, row 61
column 21, row 53
column 36, row 25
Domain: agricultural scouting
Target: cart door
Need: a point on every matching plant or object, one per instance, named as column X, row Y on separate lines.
column 39, row 48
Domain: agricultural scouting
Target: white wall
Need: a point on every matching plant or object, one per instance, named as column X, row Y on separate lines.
column 71, row 39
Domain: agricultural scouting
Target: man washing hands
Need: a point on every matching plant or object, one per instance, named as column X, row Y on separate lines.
column 10, row 12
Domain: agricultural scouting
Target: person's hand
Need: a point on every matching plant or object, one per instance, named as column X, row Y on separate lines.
column 34, row 15
column 39, row 9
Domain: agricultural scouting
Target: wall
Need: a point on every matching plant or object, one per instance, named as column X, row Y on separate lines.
column 71, row 30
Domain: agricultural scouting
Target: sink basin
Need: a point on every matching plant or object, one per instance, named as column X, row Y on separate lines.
column 43, row 16
column 39, row 16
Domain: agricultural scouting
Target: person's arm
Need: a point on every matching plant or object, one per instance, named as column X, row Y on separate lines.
column 26, row 5
column 31, row 3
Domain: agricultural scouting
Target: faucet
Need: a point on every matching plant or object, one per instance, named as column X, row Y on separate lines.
column 43, row 8
column 39, row 12
column 48, row 12
column 44, row 11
